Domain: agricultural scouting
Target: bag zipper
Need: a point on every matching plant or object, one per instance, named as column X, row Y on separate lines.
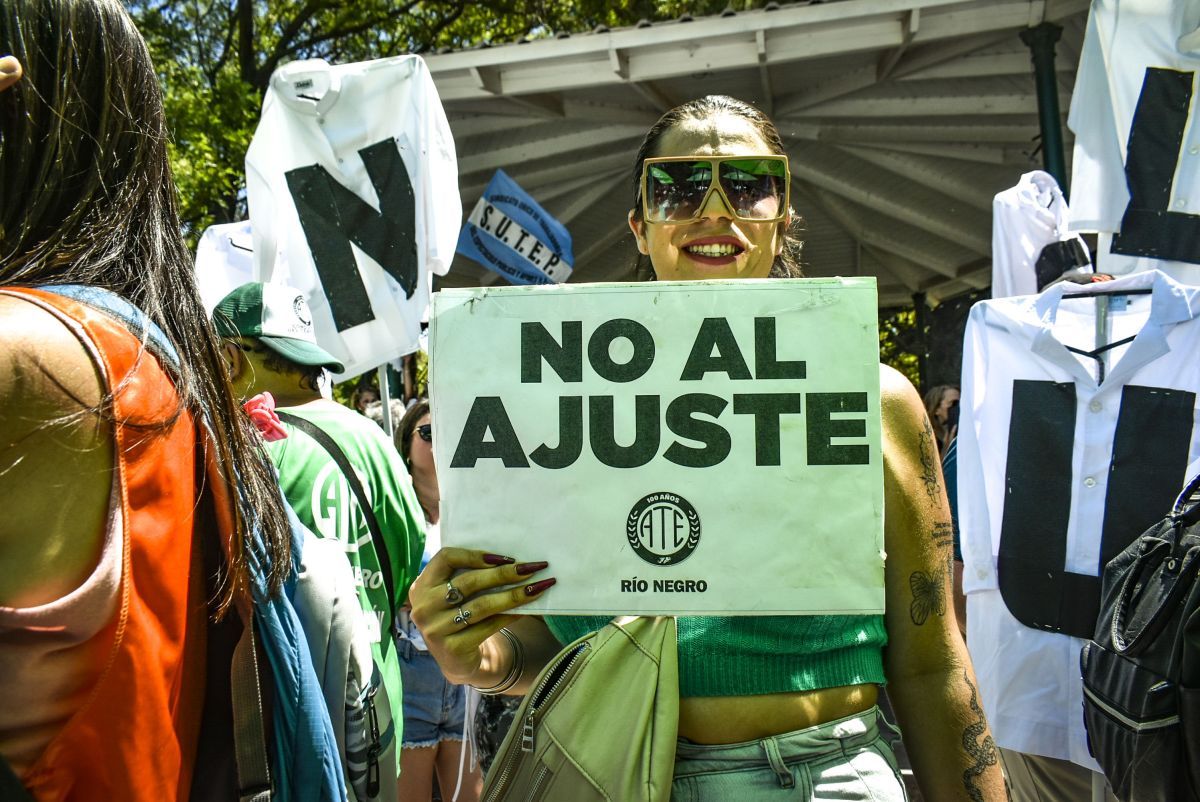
column 546, row 690
column 1133, row 724
column 539, row 779
column 374, row 750
column 540, row 694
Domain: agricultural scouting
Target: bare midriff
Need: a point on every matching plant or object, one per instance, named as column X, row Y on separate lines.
column 734, row 719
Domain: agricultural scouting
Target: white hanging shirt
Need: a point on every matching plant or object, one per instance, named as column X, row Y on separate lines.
column 224, row 261
column 1049, row 451
column 1025, row 219
column 352, row 183
column 1137, row 83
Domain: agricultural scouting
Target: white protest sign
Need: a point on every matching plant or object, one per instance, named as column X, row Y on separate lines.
column 668, row 447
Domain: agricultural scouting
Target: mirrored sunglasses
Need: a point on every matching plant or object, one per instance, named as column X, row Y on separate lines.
column 675, row 189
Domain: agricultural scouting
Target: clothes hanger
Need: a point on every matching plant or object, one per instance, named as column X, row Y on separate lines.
column 1103, row 297
column 1106, row 293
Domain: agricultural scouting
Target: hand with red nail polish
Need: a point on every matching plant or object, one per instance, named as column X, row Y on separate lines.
column 538, row 587
column 464, row 597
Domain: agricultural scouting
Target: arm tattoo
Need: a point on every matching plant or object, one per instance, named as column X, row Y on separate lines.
column 982, row 753
column 929, row 596
column 943, row 534
column 929, row 463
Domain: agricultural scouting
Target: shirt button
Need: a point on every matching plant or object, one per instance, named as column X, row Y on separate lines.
column 1096, row 406
column 1181, row 202
column 1194, row 149
column 321, row 121
column 1089, row 482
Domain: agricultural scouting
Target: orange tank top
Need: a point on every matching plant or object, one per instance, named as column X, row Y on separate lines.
column 134, row 735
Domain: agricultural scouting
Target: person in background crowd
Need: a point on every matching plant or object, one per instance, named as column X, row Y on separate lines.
column 786, row 705
column 364, row 395
column 434, row 709
column 374, row 411
column 941, row 404
column 270, row 347
column 126, row 462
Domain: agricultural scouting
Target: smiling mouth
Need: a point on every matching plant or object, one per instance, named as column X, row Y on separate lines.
column 714, row 250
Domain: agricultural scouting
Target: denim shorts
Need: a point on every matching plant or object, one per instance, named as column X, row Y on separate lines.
column 433, row 708
column 847, row 759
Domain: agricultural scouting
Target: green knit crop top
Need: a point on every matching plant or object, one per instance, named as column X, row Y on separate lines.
column 747, row 655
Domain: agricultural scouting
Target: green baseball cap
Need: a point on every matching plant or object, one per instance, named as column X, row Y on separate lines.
column 279, row 317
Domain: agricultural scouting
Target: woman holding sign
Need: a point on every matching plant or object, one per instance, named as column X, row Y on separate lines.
column 789, row 705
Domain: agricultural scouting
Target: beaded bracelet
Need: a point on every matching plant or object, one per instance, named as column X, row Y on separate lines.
column 514, row 671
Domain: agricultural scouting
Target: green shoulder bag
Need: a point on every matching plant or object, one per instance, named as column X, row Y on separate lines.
column 600, row 722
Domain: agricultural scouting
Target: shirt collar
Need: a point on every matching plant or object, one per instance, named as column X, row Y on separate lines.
column 1171, row 303
column 284, row 79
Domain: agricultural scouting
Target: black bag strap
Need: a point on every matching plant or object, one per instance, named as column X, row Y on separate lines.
column 339, row 457
column 249, row 730
column 1187, row 506
column 1170, row 578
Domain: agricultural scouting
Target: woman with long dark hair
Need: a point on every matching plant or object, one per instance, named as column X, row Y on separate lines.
column 130, row 475
column 771, row 707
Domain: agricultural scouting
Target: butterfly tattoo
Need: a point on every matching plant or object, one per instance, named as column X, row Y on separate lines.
column 929, row 596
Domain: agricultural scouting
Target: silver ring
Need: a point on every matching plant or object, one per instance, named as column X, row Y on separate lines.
column 463, row 618
column 454, row 596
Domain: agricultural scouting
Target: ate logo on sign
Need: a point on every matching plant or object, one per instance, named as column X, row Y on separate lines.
column 663, row 529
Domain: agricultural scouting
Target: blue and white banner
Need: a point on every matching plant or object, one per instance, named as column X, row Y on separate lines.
column 510, row 234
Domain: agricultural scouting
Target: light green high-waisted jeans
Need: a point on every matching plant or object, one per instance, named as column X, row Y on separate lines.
column 847, row 759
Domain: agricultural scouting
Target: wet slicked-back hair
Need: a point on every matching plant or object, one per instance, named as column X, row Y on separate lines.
column 787, row 264
column 86, row 197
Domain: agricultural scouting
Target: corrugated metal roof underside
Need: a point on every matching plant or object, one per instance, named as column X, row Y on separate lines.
column 902, row 119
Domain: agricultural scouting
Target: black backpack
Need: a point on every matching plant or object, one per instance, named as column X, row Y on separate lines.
column 1141, row 673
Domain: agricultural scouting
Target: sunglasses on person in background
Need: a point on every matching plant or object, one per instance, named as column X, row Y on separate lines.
column 425, row 432
column 754, row 188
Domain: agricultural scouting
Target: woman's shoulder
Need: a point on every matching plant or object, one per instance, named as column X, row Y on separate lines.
column 56, row 455
column 45, row 371
column 899, row 402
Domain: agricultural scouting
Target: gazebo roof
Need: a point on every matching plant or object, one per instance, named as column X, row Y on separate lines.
column 902, row 119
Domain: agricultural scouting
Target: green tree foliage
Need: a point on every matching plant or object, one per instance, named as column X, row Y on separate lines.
column 215, row 59
column 901, row 342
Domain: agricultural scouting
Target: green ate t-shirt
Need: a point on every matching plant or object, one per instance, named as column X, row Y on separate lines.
column 319, row 493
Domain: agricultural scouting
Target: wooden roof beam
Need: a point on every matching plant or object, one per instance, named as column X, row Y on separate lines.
column 547, row 105
column 565, row 173
column 531, row 150
column 982, row 154
column 887, row 62
column 842, row 213
column 584, row 199
column 925, row 172
column 617, row 269
column 764, row 73
column 619, row 62
column 924, row 106
column 906, row 210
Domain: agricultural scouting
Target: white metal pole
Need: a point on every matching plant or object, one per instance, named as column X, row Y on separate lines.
column 386, row 398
